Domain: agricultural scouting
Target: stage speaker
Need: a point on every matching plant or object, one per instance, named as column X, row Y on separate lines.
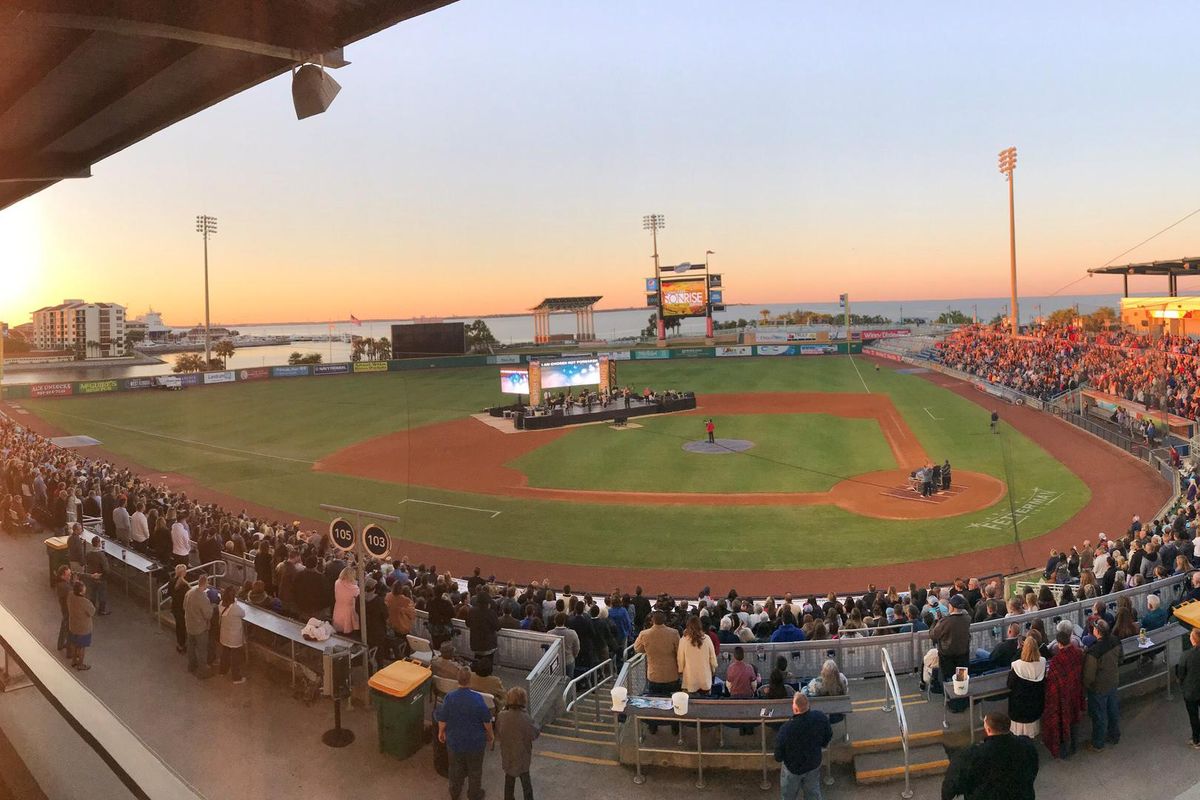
column 313, row 90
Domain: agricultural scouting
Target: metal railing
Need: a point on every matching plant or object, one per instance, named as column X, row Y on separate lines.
column 587, row 685
column 164, row 592
column 893, row 700
column 515, row 648
column 546, row 681
column 633, row 675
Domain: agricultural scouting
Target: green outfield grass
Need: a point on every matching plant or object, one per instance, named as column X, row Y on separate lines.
column 258, row 441
column 792, row 453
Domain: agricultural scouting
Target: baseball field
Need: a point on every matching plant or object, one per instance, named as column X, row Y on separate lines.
column 822, row 487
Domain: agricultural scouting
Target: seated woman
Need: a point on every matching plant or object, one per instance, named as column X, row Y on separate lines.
column 484, row 682
column 777, row 688
column 830, row 683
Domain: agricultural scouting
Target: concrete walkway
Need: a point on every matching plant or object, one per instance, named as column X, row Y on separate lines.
column 255, row 740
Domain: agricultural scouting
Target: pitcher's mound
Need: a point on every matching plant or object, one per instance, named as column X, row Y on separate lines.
column 721, row 446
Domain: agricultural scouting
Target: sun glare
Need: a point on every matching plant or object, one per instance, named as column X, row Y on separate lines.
column 21, row 265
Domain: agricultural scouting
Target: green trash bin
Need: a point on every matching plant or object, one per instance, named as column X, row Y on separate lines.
column 399, row 692
column 56, row 555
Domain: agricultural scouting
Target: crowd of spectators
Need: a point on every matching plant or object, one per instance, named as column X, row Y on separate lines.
column 1161, row 373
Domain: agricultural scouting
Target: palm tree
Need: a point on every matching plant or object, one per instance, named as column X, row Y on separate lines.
column 188, row 362
column 223, row 350
column 357, row 348
column 765, row 314
column 383, row 349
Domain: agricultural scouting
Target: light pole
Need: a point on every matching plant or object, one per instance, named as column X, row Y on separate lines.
column 206, row 226
column 654, row 223
column 1008, row 163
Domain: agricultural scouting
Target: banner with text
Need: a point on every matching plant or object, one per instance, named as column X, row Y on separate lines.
column 370, row 366
column 51, row 389
column 684, row 297
column 226, row 376
column 741, row 350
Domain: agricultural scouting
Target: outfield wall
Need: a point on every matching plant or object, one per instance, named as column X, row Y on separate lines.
column 77, row 388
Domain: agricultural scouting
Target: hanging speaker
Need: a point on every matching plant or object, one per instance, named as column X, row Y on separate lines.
column 313, row 90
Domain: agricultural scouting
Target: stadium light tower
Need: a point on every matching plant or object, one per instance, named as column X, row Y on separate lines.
column 655, row 223
column 1008, row 163
column 206, row 226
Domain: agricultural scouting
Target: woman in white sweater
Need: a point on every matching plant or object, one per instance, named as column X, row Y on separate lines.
column 696, row 658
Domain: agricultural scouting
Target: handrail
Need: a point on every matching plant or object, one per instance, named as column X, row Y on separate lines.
column 164, row 591
column 132, row 761
column 572, row 696
column 892, row 695
column 543, row 679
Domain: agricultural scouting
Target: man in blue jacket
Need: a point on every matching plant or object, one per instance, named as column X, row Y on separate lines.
column 798, row 748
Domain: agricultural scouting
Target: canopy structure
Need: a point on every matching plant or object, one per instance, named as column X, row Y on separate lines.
column 83, row 79
column 583, row 308
column 1171, row 270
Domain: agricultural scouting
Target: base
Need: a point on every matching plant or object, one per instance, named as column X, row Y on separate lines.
column 338, row 737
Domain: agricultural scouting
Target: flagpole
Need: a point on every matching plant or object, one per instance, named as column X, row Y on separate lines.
column 331, row 342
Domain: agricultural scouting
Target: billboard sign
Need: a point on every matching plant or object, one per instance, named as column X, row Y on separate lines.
column 651, row 285
column 740, row 350
column 254, row 373
column 884, row 334
column 331, row 369
column 137, row 383
column 51, row 389
column 642, row 355
column 693, row 352
column 617, row 355
column 817, row 349
column 290, row 371
column 190, row 379
column 784, row 336
column 514, row 381
column 778, row 350
column 96, row 387
column 717, row 296
column 508, row 358
column 684, row 297
column 370, row 366
column 219, row 377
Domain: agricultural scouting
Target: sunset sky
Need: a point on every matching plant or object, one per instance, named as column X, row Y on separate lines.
column 494, row 152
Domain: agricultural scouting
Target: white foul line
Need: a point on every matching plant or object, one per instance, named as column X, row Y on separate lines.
column 930, row 413
column 860, row 377
column 452, row 505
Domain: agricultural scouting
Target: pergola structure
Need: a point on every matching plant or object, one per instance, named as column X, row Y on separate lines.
column 84, row 79
column 1171, row 270
column 583, row 307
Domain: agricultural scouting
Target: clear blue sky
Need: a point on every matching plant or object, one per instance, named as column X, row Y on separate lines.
column 490, row 153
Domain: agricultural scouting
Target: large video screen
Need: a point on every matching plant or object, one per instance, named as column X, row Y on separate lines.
column 425, row 339
column 514, row 381
column 570, row 372
column 684, row 297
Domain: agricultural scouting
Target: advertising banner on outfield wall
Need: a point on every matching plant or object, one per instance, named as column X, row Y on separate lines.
column 51, row 389
column 191, row 379
column 641, row 355
column 777, row 350
column 331, row 369
column 290, row 371
column 618, row 355
column 868, row 336
column 226, row 376
column 883, row 354
column 740, row 350
column 254, row 374
column 370, row 366
column 692, row 352
column 95, row 387
column 766, row 335
column 508, row 358
column 817, row 349
column 132, row 384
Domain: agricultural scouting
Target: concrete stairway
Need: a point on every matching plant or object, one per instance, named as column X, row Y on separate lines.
column 882, row 760
column 593, row 741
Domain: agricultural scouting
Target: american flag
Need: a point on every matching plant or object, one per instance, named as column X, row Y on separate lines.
column 355, row 320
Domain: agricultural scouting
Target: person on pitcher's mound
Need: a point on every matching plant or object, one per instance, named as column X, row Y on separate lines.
column 710, row 429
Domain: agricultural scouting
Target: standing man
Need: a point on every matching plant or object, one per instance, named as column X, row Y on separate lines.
column 62, row 589
column 465, row 727
column 995, row 420
column 197, row 615
column 661, row 646
column 139, row 529
column 952, row 635
column 1100, row 666
column 96, row 575
column 710, row 429
column 1189, row 680
column 798, row 748
column 181, row 540
column 1002, row 765
column 121, row 521
column 946, row 476
column 76, row 548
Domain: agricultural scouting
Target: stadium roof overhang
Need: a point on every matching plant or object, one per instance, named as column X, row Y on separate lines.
column 566, row 303
column 84, row 79
column 1171, row 270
